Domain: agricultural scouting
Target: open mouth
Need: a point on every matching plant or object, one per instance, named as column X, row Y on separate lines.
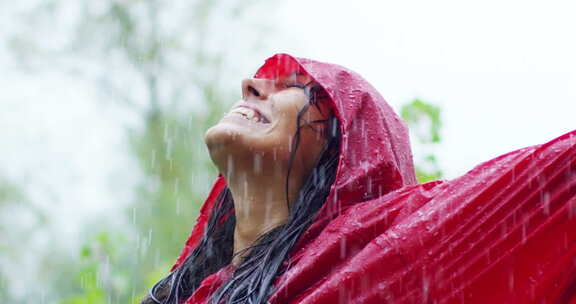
column 249, row 114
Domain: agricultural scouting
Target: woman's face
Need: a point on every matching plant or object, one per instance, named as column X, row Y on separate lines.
column 264, row 122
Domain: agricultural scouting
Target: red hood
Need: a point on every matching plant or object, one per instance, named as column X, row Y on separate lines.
column 375, row 155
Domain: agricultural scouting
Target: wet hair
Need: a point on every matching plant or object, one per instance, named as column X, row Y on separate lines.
column 252, row 281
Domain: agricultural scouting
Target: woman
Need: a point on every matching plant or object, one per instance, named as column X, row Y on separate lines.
column 317, row 203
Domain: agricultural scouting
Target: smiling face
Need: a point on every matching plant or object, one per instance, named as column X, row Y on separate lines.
column 261, row 127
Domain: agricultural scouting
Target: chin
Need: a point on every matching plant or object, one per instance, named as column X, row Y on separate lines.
column 228, row 138
column 219, row 137
column 225, row 139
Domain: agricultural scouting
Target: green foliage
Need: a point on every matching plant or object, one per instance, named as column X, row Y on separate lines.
column 91, row 290
column 166, row 71
column 424, row 121
column 108, row 264
column 91, row 293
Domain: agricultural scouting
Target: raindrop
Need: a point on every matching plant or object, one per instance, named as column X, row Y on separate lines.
column 137, row 242
column 524, row 233
column 511, row 281
column 425, row 288
column 153, row 159
column 229, row 166
column 342, row 248
column 504, row 230
column 149, row 240
column 571, row 209
column 545, row 199
column 257, row 164
column 420, row 214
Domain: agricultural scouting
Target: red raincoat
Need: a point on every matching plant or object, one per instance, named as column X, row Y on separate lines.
column 505, row 232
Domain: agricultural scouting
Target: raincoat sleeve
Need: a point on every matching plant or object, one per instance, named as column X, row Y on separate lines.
column 503, row 233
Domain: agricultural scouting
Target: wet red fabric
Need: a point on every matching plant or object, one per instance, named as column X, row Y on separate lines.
column 505, row 232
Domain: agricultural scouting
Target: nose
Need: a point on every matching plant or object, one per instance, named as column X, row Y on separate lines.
column 257, row 89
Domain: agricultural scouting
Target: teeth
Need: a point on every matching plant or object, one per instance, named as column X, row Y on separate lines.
column 247, row 113
column 250, row 114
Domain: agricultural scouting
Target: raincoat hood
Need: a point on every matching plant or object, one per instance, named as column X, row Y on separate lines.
column 375, row 156
column 505, row 232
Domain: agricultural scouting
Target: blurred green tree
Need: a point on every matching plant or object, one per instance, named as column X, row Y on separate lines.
column 166, row 63
column 425, row 122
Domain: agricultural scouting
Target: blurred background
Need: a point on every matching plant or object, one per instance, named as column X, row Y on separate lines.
column 104, row 104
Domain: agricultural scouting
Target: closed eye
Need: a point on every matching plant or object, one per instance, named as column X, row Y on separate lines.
column 295, row 85
column 253, row 91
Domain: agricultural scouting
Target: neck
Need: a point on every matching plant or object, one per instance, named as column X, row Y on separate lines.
column 259, row 202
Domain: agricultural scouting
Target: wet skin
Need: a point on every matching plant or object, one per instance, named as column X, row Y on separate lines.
column 251, row 147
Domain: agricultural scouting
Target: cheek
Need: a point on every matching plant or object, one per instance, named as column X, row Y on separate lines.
column 311, row 144
column 276, row 144
column 286, row 125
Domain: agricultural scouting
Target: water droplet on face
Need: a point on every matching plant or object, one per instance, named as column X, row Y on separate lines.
column 257, row 164
column 229, row 166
